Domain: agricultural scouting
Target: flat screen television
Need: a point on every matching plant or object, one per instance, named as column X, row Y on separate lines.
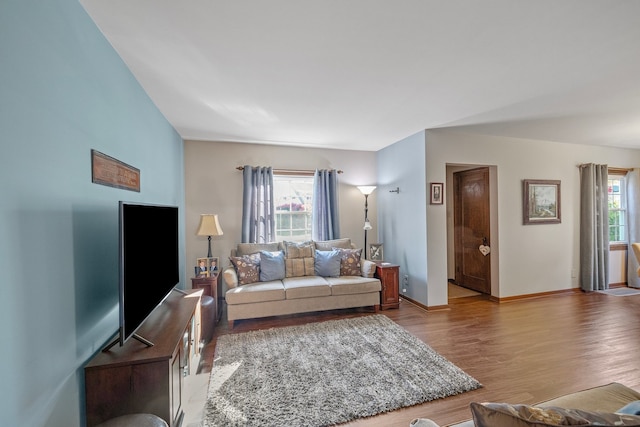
column 149, row 262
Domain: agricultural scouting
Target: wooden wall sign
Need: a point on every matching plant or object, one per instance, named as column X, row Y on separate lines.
column 108, row 171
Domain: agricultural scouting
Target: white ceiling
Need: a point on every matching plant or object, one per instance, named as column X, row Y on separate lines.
column 363, row 74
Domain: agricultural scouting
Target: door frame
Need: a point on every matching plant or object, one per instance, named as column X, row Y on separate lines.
column 493, row 222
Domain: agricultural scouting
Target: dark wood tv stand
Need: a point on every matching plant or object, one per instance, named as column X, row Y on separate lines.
column 136, row 378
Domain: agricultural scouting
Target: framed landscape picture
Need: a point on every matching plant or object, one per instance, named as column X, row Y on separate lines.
column 540, row 201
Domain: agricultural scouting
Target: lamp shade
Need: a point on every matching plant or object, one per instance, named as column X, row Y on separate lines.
column 209, row 226
column 366, row 189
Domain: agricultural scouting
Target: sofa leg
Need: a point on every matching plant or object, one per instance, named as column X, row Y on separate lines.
column 376, row 308
column 230, row 324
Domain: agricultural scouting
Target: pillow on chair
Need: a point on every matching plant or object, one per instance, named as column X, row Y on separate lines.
column 507, row 415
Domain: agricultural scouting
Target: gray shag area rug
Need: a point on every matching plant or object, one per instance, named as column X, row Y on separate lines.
column 324, row 374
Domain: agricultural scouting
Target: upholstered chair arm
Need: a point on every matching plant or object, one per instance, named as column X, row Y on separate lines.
column 230, row 277
column 368, row 268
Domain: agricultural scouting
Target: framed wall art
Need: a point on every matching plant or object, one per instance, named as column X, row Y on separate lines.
column 437, row 193
column 540, row 201
column 376, row 252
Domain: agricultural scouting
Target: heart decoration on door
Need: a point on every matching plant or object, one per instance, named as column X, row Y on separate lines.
column 484, row 250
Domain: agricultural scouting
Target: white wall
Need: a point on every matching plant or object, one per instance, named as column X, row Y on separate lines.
column 213, row 185
column 533, row 258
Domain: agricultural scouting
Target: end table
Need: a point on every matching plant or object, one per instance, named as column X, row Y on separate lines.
column 209, row 286
column 389, row 275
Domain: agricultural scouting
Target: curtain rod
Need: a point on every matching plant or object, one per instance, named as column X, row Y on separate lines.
column 290, row 171
column 612, row 169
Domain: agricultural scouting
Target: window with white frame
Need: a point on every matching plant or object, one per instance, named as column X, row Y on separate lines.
column 617, row 208
column 293, row 195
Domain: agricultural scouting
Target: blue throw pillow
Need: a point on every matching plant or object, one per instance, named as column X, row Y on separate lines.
column 327, row 263
column 271, row 266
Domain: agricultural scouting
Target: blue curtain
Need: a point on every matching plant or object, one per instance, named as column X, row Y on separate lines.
column 594, row 227
column 258, row 218
column 325, row 223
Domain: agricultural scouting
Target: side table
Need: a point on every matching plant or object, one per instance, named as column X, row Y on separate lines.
column 389, row 275
column 209, row 286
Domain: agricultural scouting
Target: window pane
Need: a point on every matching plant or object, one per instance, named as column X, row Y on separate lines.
column 293, row 198
column 617, row 209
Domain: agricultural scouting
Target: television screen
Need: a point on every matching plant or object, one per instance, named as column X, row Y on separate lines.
column 149, row 267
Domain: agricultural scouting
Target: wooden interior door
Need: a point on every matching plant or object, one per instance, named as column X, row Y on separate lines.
column 471, row 229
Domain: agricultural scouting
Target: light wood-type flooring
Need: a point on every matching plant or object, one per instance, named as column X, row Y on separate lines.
column 524, row 351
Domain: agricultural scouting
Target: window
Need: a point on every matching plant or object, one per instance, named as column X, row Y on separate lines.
column 617, row 208
column 293, row 197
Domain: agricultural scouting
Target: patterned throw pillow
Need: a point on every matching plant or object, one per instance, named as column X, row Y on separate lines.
column 247, row 268
column 506, row 415
column 299, row 259
column 350, row 262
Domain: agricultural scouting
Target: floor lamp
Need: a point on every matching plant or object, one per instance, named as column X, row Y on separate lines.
column 366, row 190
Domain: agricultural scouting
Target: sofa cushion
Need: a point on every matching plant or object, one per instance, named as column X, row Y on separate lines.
column 350, row 262
column 306, row 287
column 507, row 415
column 298, row 250
column 350, row 285
column 327, row 263
column 256, row 292
column 327, row 245
column 254, row 248
column 247, row 268
column 271, row 266
column 299, row 259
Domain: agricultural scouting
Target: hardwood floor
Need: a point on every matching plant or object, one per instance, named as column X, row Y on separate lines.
column 523, row 351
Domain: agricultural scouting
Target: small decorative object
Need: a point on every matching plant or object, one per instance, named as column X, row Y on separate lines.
column 376, row 252
column 202, row 269
column 436, row 193
column 540, row 201
column 209, row 226
column 484, row 250
column 213, row 264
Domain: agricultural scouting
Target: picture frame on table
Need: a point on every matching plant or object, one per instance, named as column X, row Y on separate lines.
column 376, row 252
column 213, row 264
column 540, row 201
column 436, row 193
column 202, row 267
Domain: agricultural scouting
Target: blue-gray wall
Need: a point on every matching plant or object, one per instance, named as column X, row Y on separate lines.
column 63, row 92
column 402, row 217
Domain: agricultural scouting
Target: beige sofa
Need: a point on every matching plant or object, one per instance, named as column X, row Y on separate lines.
column 302, row 290
column 601, row 401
